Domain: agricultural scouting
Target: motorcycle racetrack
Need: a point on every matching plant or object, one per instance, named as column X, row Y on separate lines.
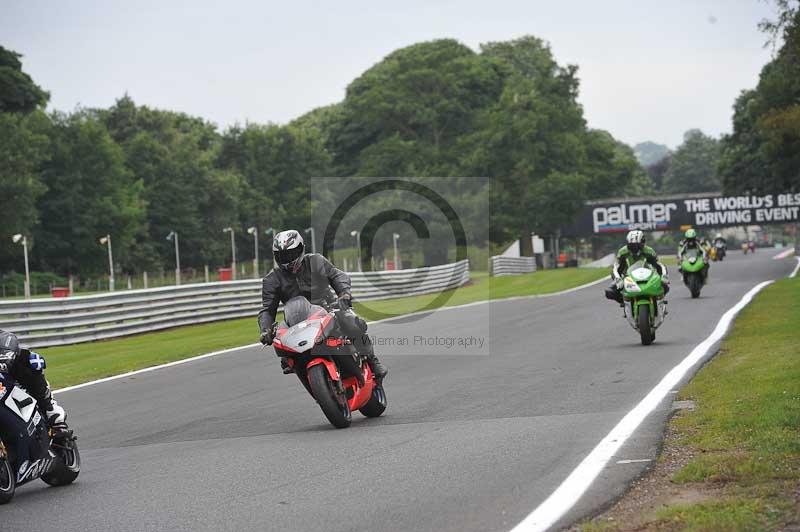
column 472, row 441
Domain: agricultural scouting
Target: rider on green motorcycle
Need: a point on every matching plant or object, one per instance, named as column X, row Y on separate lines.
column 691, row 241
column 633, row 251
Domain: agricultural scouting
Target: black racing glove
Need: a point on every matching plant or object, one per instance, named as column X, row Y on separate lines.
column 345, row 302
column 268, row 336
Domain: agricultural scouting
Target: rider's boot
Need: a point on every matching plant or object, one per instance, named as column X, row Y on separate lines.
column 56, row 418
column 287, row 369
column 613, row 293
column 378, row 369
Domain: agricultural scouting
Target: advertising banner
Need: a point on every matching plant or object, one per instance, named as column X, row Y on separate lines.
column 670, row 213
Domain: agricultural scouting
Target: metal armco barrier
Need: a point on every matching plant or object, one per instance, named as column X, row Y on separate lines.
column 71, row 320
column 499, row 265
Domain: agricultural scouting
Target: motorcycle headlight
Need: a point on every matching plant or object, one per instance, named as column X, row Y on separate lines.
column 692, row 260
column 631, row 286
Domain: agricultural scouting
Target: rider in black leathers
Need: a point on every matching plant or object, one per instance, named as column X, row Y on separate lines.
column 311, row 276
column 27, row 369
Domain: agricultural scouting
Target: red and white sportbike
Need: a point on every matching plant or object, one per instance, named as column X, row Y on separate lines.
column 326, row 362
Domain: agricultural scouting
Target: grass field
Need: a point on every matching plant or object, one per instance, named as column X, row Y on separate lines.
column 739, row 448
column 74, row 364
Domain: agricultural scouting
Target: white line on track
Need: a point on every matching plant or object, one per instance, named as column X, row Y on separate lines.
column 783, row 254
column 797, row 267
column 153, row 368
column 233, row 349
column 575, row 485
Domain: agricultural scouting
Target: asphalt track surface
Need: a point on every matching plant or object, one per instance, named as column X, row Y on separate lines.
column 470, row 442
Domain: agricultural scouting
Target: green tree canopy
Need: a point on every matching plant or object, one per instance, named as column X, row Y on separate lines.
column 90, row 194
column 693, row 166
column 762, row 154
column 18, row 92
column 405, row 115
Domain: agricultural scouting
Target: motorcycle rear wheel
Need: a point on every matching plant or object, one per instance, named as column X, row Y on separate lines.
column 8, row 482
column 376, row 404
column 643, row 321
column 333, row 404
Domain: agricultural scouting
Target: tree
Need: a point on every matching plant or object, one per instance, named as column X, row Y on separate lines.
column 762, row 154
column 612, row 168
column 531, row 142
column 276, row 164
column 18, row 92
column 693, row 167
column 90, row 194
column 649, row 153
column 405, row 115
column 24, row 146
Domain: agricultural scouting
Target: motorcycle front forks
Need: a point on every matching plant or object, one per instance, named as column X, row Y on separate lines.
column 661, row 313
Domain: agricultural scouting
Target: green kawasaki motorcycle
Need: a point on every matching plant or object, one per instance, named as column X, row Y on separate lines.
column 643, row 292
column 692, row 265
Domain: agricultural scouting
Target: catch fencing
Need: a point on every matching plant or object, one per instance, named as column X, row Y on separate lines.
column 499, row 265
column 71, row 320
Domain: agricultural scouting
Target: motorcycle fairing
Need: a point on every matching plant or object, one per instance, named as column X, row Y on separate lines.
column 26, row 440
column 304, row 335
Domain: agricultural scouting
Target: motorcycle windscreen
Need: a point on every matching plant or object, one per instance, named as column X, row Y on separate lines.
column 640, row 270
column 298, row 309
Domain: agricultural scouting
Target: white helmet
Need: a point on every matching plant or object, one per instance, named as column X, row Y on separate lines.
column 288, row 249
column 718, row 235
column 636, row 241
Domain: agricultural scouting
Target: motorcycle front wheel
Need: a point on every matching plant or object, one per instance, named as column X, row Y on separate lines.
column 331, row 401
column 643, row 321
column 695, row 285
column 8, row 481
column 67, row 465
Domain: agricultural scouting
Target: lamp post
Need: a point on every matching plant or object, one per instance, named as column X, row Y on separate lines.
column 20, row 239
column 106, row 240
column 395, row 237
column 254, row 231
column 173, row 235
column 233, row 250
column 267, row 231
column 313, row 240
column 357, row 234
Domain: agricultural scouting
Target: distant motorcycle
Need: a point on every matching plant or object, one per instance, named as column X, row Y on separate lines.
column 692, row 269
column 28, row 449
column 327, row 364
column 643, row 292
column 718, row 251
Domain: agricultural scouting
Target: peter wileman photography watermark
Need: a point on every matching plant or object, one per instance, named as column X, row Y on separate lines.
column 411, row 238
column 462, row 343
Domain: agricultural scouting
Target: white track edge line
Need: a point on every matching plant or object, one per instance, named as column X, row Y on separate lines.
column 797, row 267
column 491, row 301
column 153, row 368
column 232, row 349
column 578, row 482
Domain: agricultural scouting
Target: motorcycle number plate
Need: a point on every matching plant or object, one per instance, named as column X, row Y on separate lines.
column 21, row 403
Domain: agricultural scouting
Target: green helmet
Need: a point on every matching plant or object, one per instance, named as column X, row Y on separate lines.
column 690, row 234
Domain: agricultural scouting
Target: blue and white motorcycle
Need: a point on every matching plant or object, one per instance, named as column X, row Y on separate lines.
column 28, row 448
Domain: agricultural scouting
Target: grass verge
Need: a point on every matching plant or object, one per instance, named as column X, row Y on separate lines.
column 733, row 461
column 68, row 365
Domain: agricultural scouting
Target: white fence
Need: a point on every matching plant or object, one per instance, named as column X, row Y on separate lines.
column 499, row 265
column 70, row 320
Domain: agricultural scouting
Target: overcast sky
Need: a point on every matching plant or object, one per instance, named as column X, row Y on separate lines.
column 649, row 70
